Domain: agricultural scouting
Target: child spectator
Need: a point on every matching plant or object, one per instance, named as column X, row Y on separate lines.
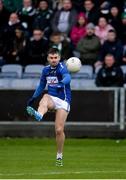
column 101, row 30
column 79, row 30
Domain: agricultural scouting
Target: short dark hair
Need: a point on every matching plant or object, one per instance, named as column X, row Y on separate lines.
column 109, row 55
column 53, row 51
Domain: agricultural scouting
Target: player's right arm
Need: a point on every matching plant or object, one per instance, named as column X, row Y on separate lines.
column 39, row 89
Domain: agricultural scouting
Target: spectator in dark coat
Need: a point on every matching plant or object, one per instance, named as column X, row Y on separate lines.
column 115, row 20
column 9, row 29
column 64, row 19
column 123, row 28
column 16, row 52
column 110, row 75
column 92, row 13
column 37, row 48
column 113, row 46
column 27, row 14
column 4, row 15
column 43, row 18
column 63, row 45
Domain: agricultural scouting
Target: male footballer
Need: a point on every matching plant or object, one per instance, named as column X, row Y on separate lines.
column 57, row 78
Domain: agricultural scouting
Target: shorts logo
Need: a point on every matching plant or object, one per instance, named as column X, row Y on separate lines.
column 52, row 80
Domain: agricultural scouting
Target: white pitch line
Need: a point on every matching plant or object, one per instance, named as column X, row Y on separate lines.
column 60, row 172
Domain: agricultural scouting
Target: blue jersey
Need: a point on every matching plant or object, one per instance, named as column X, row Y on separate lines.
column 57, row 80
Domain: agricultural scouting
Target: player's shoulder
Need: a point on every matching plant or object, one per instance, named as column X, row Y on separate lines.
column 46, row 69
column 62, row 65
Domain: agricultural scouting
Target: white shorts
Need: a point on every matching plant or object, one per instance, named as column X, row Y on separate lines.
column 60, row 104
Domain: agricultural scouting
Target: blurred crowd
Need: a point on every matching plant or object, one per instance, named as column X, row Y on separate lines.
column 93, row 30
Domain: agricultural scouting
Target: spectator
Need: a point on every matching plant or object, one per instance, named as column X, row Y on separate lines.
column 89, row 46
column 124, row 55
column 64, row 19
column 112, row 46
column 37, row 48
column 110, row 75
column 9, row 29
column 43, row 17
column 123, row 28
column 78, row 5
column 64, row 46
column 57, row 5
column 27, row 14
column 16, row 52
column 101, row 30
column 2, row 50
column 105, row 9
column 4, row 15
column 12, row 5
column 91, row 12
column 115, row 20
column 79, row 30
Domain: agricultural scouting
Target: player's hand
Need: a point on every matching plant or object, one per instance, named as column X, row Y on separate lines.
column 30, row 101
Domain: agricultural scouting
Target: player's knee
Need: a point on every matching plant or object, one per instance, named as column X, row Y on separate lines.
column 46, row 96
column 44, row 100
column 59, row 131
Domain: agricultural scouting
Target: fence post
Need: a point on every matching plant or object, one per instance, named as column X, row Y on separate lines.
column 122, row 109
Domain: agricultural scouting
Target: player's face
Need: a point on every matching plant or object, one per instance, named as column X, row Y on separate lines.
column 53, row 59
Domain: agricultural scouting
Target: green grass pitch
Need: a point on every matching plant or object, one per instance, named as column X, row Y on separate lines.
column 83, row 158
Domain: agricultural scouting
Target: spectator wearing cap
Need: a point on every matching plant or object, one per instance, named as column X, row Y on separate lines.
column 64, row 19
column 111, row 46
column 92, row 13
column 27, row 14
column 37, row 48
column 89, row 46
column 59, row 42
column 110, row 75
column 79, row 30
column 43, row 18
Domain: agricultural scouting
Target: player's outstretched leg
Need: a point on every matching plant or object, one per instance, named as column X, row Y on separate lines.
column 61, row 116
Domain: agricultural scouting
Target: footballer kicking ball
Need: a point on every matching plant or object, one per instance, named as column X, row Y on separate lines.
column 73, row 64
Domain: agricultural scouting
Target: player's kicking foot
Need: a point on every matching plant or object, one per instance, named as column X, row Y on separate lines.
column 32, row 112
column 59, row 162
